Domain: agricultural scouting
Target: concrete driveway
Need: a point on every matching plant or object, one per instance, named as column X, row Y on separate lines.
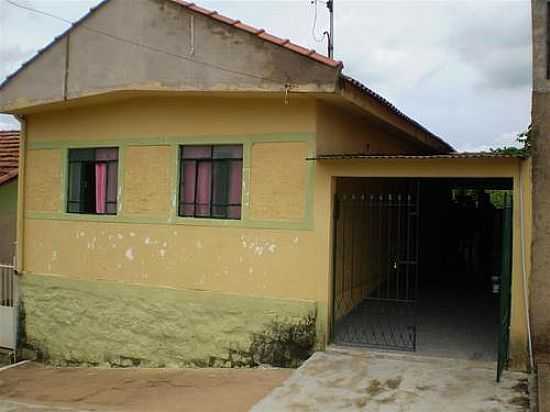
column 360, row 381
column 33, row 388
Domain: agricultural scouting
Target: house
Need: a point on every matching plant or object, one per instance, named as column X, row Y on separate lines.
column 9, row 154
column 540, row 287
column 198, row 192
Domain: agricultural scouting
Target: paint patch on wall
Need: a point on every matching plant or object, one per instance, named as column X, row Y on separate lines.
column 130, row 254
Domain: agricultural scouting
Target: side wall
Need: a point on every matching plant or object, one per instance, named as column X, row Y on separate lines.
column 8, row 212
column 540, row 288
column 199, row 288
column 347, row 131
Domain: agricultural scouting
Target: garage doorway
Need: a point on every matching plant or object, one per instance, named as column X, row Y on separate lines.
column 423, row 265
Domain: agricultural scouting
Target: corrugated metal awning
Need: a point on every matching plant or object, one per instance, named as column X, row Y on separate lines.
column 480, row 155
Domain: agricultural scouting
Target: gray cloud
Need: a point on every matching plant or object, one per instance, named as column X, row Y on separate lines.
column 495, row 40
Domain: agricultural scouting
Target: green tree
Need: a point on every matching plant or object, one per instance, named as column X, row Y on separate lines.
column 524, row 138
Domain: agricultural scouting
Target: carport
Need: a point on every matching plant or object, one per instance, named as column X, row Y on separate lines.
column 430, row 254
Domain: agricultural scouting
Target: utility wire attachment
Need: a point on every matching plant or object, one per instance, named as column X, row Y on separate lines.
column 328, row 34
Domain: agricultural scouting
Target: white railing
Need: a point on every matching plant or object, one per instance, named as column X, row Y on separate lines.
column 8, row 307
column 7, row 286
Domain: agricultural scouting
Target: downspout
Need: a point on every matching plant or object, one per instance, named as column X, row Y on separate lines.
column 20, row 196
column 524, row 268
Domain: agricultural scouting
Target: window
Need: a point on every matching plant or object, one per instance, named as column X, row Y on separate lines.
column 211, row 181
column 93, row 181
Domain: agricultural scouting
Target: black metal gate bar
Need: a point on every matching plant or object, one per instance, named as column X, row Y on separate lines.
column 384, row 273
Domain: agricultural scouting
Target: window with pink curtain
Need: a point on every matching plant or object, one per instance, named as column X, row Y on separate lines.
column 93, row 181
column 211, row 181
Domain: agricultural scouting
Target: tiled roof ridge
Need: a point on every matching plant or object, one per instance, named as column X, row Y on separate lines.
column 261, row 33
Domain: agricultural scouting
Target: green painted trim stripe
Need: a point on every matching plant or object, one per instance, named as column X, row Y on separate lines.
column 122, row 153
column 169, row 141
column 245, row 195
column 166, row 220
column 175, row 182
column 310, row 189
column 172, row 217
column 124, row 283
column 64, row 173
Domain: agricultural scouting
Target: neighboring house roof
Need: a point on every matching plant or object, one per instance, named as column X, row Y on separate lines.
column 441, row 145
column 9, row 155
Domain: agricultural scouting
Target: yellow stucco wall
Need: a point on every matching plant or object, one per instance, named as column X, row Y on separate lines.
column 278, row 181
column 43, row 181
column 240, row 261
column 147, row 243
column 147, row 180
column 158, row 117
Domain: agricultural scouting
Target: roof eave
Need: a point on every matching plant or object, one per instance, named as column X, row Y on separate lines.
column 368, row 100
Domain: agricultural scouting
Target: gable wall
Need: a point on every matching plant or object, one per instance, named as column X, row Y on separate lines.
column 159, row 45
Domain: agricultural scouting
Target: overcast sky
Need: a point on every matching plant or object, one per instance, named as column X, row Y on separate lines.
column 461, row 68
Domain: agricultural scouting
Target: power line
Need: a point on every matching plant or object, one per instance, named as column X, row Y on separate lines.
column 144, row 46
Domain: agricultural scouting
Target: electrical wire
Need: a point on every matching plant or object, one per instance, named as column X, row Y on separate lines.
column 144, row 46
column 315, row 18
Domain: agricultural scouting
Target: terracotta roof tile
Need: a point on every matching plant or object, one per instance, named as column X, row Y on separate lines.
column 298, row 49
column 248, row 28
column 224, row 19
column 200, row 9
column 9, row 155
column 260, row 33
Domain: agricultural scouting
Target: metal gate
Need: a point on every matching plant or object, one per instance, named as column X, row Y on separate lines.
column 8, row 307
column 376, row 269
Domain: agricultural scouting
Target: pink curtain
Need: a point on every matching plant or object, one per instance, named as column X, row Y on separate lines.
column 188, row 188
column 100, row 187
column 203, row 188
column 235, row 190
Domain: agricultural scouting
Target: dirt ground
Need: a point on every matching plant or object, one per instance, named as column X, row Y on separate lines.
column 33, row 388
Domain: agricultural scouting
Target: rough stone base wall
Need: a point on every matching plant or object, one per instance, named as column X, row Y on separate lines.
column 99, row 323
